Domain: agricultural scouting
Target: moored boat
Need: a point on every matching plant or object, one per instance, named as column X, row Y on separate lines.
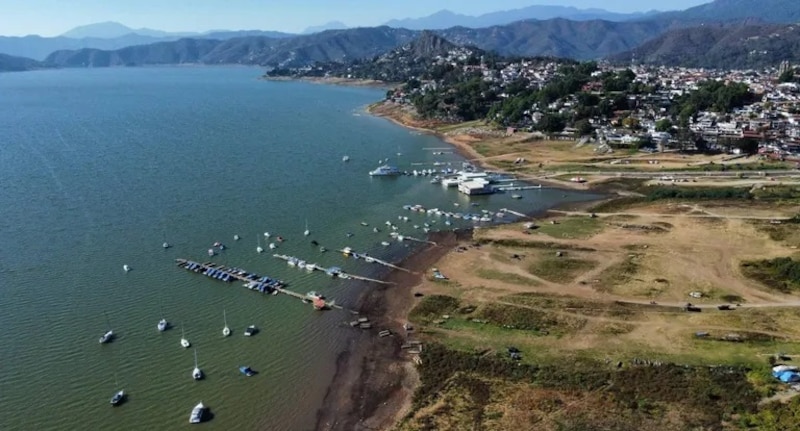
column 198, row 412
column 250, row 331
column 247, row 371
column 118, row 398
column 385, row 170
column 105, row 338
column 197, row 373
column 162, row 325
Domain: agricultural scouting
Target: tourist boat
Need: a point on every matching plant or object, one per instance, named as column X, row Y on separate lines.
column 197, row 373
column 384, row 170
column 126, row 268
column 184, row 342
column 226, row 331
column 118, row 398
column 247, row 371
column 162, row 325
column 197, row 414
column 250, row 331
column 259, row 249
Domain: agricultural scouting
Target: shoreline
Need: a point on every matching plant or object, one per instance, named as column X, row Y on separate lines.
column 346, row 82
column 375, row 381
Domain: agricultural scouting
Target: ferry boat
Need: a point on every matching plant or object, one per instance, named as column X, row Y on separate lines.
column 385, row 170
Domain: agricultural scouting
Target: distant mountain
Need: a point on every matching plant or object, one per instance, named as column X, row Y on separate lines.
column 446, row 19
column 580, row 40
column 10, row 63
column 111, row 30
column 723, row 46
column 774, row 11
column 333, row 25
column 331, row 45
column 39, row 48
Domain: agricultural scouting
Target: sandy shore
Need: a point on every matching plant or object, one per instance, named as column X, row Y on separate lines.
column 374, row 380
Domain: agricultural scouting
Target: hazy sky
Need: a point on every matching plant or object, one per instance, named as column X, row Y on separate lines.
column 53, row 17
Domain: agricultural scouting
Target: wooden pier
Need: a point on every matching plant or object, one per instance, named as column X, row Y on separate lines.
column 347, row 251
column 518, row 214
column 251, row 280
column 340, row 274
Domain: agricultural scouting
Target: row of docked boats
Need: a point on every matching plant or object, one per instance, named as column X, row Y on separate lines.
column 483, row 216
column 255, row 282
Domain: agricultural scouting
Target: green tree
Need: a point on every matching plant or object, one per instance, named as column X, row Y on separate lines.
column 663, row 125
column 551, row 123
column 583, row 128
column 787, row 75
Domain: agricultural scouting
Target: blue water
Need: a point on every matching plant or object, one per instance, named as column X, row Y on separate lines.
column 99, row 167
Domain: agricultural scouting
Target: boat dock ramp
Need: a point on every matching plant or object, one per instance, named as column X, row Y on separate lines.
column 333, row 271
column 252, row 281
column 347, row 251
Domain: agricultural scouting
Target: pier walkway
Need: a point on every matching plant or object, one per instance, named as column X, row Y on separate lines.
column 252, row 281
column 347, row 251
column 295, row 261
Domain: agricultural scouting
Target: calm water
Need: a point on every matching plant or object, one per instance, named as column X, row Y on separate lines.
column 99, row 167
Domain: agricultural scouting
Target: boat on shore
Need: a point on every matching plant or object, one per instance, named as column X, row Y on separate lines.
column 198, row 412
column 118, row 398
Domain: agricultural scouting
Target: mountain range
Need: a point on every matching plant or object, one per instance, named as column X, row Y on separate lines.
column 446, row 19
column 690, row 37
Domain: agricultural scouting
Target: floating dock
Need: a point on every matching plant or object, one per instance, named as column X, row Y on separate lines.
column 254, row 282
column 347, row 251
column 333, row 272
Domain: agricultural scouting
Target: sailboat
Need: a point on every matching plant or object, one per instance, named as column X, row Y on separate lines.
column 306, row 232
column 259, row 249
column 226, row 331
column 105, row 338
column 184, row 342
column 197, row 373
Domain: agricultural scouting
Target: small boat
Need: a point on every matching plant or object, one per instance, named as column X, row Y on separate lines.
column 197, row 414
column 349, row 234
column 162, row 325
column 385, row 170
column 226, row 331
column 363, row 223
column 376, row 230
column 306, row 232
column 184, row 342
column 272, row 246
column 105, row 338
column 345, row 158
column 323, row 249
column 126, row 268
column 247, row 371
column 197, row 373
column 266, row 234
column 384, row 243
column 165, row 245
column 109, row 335
column 314, row 295
column 211, row 252
column 118, row 398
column 516, row 196
column 259, row 249
column 236, row 237
column 250, row 331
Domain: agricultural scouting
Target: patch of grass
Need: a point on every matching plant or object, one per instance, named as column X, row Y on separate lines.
column 513, row 243
column 560, row 269
column 513, row 317
column 491, row 274
column 433, row 307
column 781, row 273
column 736, row 299
column 619, row 273
column 572, row 227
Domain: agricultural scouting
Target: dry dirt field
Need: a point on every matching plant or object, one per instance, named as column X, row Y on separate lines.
column 613, row 287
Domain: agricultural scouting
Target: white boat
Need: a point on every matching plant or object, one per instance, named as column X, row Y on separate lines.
column 162, row 325
column 259, row 249
column 105, row 338
column 211, row 252
column 197, row 373
column 306, row 232
column 272, row 246
column 226, row 331
column 165, row 245
column 345, row 158
column 236, row 237
column 126, row 268
column 108, row 335
column 184, row 342
column 197, row 414
column 266, row 234
column 250, row 331
column 516, row 196
column 118, row 398
column 384, row 170
column 385, row 243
